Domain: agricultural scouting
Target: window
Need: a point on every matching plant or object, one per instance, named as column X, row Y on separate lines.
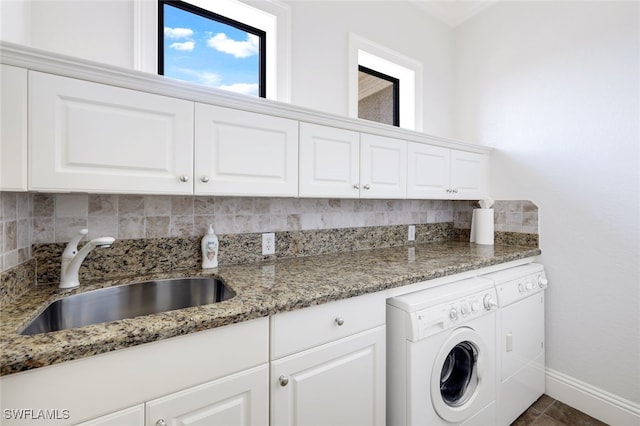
column 203, row 47
column 378, row 97
column 384, row 61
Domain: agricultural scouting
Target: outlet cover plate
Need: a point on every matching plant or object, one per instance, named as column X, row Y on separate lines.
column 268, row 243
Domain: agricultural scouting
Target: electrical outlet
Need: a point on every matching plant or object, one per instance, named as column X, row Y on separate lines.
column 268, row 243
column 412, row 233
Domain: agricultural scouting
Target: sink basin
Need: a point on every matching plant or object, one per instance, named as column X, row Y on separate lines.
column 128, row 301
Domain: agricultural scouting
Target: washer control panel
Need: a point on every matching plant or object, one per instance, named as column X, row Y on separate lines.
column 434, row 319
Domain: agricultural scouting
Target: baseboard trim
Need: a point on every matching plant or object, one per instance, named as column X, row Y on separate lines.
column 589, row 399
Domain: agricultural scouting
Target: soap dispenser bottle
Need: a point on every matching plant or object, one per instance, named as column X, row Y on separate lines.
column 209, row 249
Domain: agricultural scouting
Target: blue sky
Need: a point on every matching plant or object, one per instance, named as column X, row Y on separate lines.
column 206, row 52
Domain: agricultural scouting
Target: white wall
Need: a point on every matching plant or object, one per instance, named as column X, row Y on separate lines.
column 103, row 31
column 555, row 88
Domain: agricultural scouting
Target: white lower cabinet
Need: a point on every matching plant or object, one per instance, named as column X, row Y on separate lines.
column 331, row 368
column 132, row 416
column 241, row 399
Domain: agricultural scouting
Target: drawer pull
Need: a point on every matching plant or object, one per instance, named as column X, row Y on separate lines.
column 283, row 380
column 161, row 422
column 339, row 321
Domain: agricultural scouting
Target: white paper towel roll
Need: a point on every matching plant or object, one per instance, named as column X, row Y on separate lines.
column 482, row 226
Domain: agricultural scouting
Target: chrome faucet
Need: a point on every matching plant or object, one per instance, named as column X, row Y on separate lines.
column 72, row 258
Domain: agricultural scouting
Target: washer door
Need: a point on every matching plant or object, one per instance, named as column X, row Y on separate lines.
column 457, row 375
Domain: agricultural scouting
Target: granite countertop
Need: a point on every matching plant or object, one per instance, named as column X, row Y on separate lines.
column 262, row 289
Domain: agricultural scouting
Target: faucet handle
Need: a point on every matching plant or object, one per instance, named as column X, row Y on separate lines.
column 72, row 245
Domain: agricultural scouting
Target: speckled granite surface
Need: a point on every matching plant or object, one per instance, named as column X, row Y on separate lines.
column 262, row 289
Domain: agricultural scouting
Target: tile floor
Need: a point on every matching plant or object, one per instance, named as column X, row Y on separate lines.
column 547, row 411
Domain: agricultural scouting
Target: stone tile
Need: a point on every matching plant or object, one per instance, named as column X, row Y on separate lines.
column 131, row 206
column 182, row 206
column 71, row 205
column 43, row 205
column 130, row 227
column 103, row 205
column 103, row 226
column 157, row 226
column 43, row 230
column 563, row 413
column 543, row 402
column 10, row 235
column 545, row 420
column 181, row 226
column 23, row 206
column 68, row 227
column 157, row 205
column 9, row 206
column 204, row 206
column 527, row 418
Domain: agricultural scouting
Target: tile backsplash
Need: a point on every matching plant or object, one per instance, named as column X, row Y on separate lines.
column 29, row 219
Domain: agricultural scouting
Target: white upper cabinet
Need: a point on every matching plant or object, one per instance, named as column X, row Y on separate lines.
column 244, row 153
column 434, row 172
column 98, row 138
column 469, row 175
column 383, row 167
column 13, row 128
column 329, row 162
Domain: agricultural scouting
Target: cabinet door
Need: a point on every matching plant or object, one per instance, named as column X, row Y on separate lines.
column 339, row 383
column 241, row 399
column 244, row 153
column 97, row 138
column 13, row 128
column 427, row 171
column 469, row 175
column 133, row 416
column 329, row 162
column 383, row 167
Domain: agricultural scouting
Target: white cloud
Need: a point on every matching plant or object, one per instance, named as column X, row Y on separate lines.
column 185, row 45
column 244, row 88
column 205, row 78
column 239, row 49
column 178, row 32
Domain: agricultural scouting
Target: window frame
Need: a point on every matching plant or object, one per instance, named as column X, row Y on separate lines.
column 396, row 90
column 188, row 7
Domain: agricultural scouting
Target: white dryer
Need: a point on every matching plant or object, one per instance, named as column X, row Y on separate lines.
column 520, row 339
column 441, row 355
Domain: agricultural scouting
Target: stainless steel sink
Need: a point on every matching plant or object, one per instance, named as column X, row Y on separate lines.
column 128, row 301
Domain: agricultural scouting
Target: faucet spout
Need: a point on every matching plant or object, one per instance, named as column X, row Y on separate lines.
column 72, row 258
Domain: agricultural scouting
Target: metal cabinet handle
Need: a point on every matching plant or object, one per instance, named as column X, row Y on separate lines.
column 339, row 321
column 204, row 178
column 184, row 178
column 356, row 186
column 161, row 422
column 367, row 187
column 283, row 380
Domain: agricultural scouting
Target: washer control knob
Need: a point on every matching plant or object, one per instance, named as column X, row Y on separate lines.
column 542, row 281
column 464, row 309
column 453, row 313
column 520, row 288
column 488, row 302
column 475, row 306
column 529, row 286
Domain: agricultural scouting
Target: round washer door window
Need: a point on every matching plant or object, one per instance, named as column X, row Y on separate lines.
column 455, row 381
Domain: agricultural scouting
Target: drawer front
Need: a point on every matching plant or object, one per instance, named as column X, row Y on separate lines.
column 295, row 331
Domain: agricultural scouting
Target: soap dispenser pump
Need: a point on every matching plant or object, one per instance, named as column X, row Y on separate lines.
column 209, row 249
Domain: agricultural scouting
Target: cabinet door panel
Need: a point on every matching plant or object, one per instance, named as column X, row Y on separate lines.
column 133, row 416
column 97, row 138
column 241, row 399
column 427, row 171
column 383, row 167
column 243, row 153
column 329, row 162
column 469, row 175
column 340, row 383
column 13, row 128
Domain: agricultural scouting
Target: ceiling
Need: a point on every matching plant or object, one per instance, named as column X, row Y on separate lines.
column 452, row 12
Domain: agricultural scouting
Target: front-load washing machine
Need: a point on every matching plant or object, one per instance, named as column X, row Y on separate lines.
column 441, row 355
column 520, row 339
